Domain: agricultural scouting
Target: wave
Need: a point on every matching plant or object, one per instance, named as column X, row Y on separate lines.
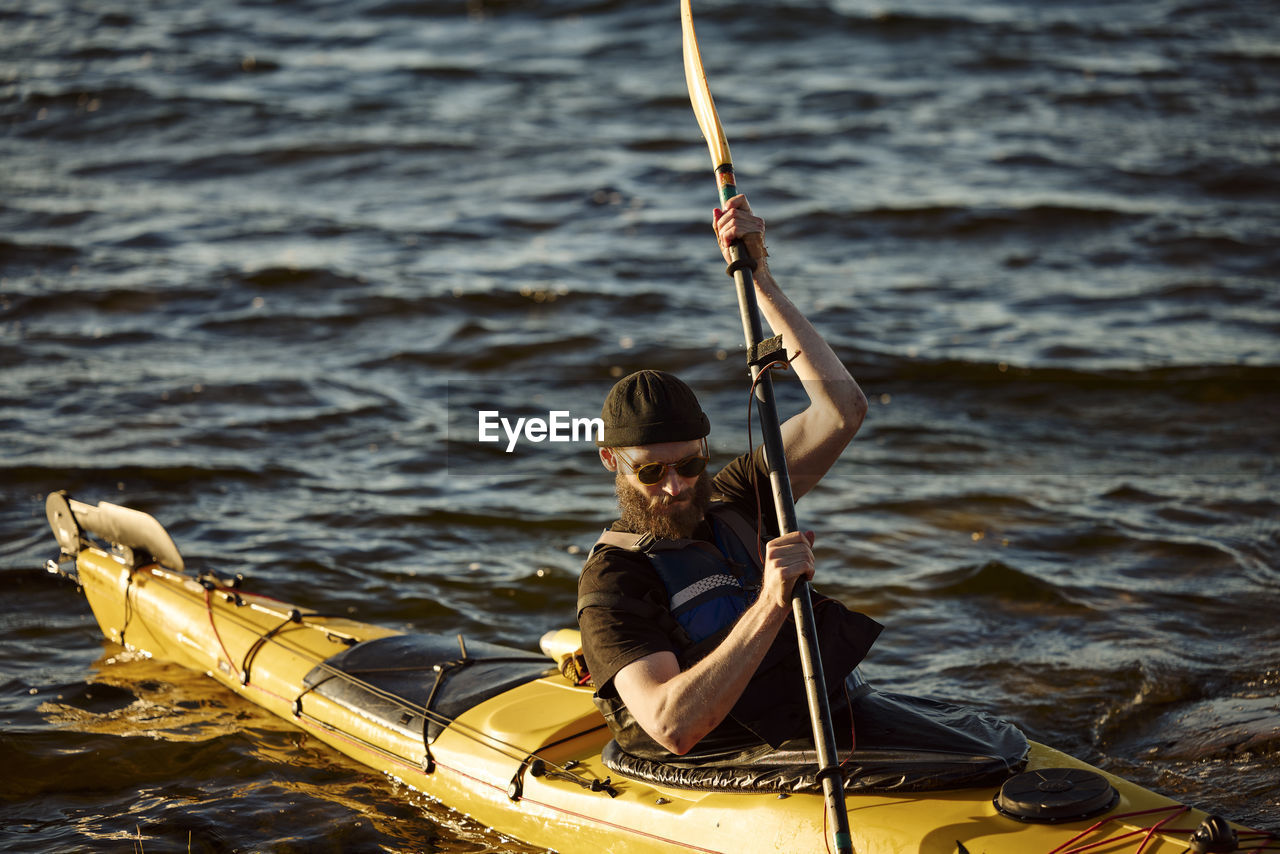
column 111, row 300
column 79, row 766
column 133, row 478
column 1191, row 294
column 1231, row 179
column 334, row 156
column 26, row 580
column 479, row 9
column 997, row 580
column 308, row 279
column 114, row 114
column 39, row 219
column 960, row 221
column 1215, row 381
column 23, row 257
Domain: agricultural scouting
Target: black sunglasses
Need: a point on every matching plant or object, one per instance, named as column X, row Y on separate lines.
column 651, row 473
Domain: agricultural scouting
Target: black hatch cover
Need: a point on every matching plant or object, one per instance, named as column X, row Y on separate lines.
column 402, row 679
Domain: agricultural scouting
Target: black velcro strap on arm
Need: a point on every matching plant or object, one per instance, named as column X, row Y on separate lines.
column 615, row 602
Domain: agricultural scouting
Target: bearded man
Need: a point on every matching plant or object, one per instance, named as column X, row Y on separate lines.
column 684, row 604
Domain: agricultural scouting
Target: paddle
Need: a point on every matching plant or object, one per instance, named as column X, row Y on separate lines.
column 740, row 267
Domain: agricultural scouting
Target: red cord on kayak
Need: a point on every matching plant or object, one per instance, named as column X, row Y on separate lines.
column 208, row 606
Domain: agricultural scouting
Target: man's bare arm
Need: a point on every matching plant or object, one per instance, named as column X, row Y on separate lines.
column 815, row 437
column 678, row 708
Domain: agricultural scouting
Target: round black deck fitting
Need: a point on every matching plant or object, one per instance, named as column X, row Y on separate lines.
column 1051, row 795
column 1214, row 836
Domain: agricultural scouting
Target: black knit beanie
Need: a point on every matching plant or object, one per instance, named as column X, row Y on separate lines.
column 649, row 407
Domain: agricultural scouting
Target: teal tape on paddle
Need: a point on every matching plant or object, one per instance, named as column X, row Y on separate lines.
column 844, row 842
column 726, row 181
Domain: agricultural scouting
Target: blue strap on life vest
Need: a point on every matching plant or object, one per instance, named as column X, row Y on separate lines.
column 709, row 586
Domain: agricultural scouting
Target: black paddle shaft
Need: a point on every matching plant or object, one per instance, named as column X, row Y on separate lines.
column 824, row 737
column 740, row 268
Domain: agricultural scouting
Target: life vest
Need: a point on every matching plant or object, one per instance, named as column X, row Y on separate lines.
column 708, row 587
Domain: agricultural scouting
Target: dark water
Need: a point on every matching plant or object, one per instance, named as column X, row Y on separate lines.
column 261, row 263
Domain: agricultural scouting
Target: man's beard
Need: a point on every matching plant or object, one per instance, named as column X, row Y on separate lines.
column 637, row 513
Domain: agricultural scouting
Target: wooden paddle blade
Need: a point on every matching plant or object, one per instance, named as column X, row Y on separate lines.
column 700, row 95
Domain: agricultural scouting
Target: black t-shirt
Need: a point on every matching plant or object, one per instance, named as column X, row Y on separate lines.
column 613, row 639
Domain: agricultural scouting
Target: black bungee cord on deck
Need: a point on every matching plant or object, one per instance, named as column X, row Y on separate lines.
column 536, row 765
column 528, row 760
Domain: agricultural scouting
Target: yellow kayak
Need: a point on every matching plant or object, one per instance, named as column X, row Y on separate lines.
column 505, row 736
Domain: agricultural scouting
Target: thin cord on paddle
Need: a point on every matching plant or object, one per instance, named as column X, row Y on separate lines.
column 785, row 364
column 781, row 364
